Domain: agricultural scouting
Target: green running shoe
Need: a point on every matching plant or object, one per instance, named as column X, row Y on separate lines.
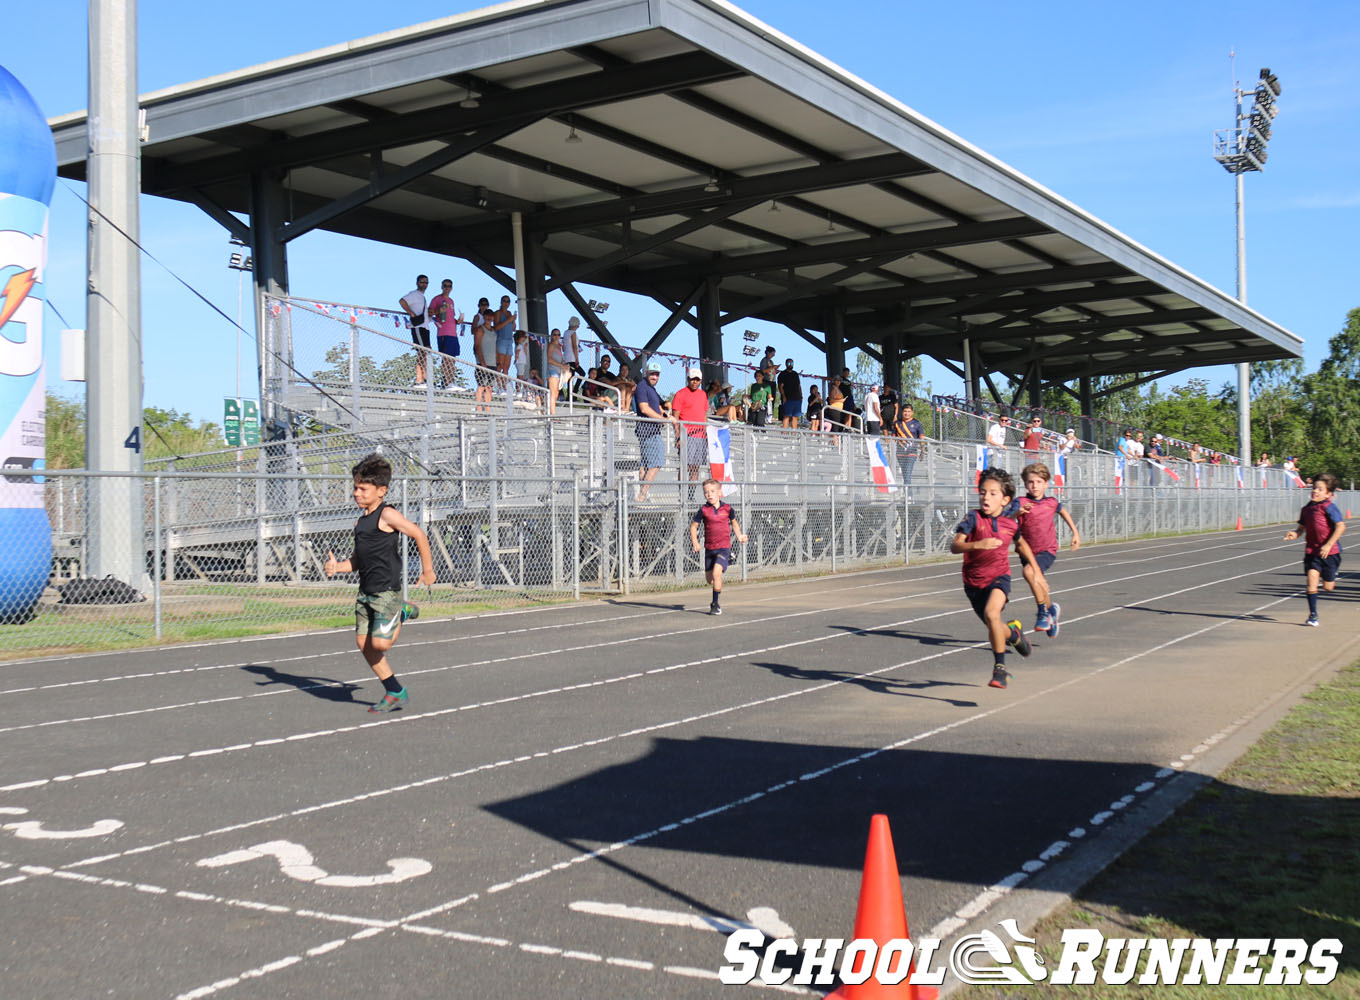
column 390, row 702
column 409, row 612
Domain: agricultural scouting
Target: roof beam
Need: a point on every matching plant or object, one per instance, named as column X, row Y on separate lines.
column 779, row 298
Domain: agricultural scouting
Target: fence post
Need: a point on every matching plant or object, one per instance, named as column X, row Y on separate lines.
column 261, row 548
column 354, row 370
column 625, row 555
column 831, row 491
column 156, row 549
column 405, row 545
column 576, row 534
column 746, row 520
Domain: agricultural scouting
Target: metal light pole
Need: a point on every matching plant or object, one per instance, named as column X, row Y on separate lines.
column 1240, row 149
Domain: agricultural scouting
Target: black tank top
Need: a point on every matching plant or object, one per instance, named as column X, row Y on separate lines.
column 377, row 554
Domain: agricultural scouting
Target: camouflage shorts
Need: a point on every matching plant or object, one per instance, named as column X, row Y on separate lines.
column 378, row 615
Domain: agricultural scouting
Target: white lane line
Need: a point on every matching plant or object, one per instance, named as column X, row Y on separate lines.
column 598, row 741
column 769, row 922
column 511, row 699
column 705, row 628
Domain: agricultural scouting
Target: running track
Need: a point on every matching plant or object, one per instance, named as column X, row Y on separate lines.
column 578, row 801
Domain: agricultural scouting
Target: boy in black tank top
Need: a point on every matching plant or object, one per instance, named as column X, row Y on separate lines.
column 379, row 609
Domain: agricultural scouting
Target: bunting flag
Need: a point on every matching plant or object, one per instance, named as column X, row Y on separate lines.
column 1059, row 468
column 878, row 466
column 1118, row 474
column 1175, row 476
column 720, row 457
column 981, row 464
column 1296, row 478
column 1240, row 485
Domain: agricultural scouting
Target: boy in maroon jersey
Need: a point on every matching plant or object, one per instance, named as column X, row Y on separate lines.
column 1321, row 525
column 1038, row 526
column 719, row 521
column 984, row 537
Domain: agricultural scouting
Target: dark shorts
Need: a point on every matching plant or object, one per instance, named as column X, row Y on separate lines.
column 696, row 450
column 756, row 417
column 1327, row 568
column 717, row 557
column 449, row 346
column 1044, row 559
column 872, row 427
column 791, row 408
column 653, row 449
column 378, row 615
column 977, row 596
column 420, row 336
column 485, row 376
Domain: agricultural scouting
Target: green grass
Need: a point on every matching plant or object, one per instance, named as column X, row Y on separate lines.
column 1268, row 850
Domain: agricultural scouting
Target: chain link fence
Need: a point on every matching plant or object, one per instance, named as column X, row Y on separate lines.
column 235, row 553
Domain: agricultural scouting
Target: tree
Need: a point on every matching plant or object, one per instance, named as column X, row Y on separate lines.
column 869, row 371
column 1332, row 394
column 65, row 422
column 1189, row 413
column 167, row 433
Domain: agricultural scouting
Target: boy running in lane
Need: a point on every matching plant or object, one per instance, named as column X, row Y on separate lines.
column 1038, row 527
column 984, row 537
column 379, row 609
column 1321, row 525
column 719, row 521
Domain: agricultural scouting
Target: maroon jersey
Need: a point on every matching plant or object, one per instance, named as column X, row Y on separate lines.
column 1318, row 521
column 1039, row 526
column 717, row 522
column 984, row 566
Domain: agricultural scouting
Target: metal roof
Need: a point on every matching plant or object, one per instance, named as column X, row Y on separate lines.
column 712, row 149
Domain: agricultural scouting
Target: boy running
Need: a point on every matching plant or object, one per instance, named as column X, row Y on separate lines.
column 984, row 538
column 1321, row 525
column 719, row 521
column 379, row 609
column 1038, row 526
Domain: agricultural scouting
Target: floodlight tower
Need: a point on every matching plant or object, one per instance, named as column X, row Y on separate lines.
column 1242, row 149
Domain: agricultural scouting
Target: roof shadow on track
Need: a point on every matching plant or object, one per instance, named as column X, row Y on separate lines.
column 1226, row 615
column 961, row 818
column 877, row 685
column 318, row 687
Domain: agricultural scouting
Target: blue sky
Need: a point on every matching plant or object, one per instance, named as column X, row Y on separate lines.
column 1111, row 107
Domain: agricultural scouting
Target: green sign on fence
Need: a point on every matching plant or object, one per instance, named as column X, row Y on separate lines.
column 250, row 422
column 231, row 422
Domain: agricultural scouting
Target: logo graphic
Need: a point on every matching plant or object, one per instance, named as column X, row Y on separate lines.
column 968, row 947
column 16, row 290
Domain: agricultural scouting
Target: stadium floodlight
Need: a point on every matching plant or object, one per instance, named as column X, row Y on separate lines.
column 1240, row 150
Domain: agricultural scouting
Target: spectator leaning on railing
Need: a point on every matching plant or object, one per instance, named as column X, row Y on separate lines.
column 759, row 394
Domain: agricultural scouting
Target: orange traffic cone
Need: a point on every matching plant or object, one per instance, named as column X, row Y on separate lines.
column 1239, row 523
column 1348, row 513
column 881, row 917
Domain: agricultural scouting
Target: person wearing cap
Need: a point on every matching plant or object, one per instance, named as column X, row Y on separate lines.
column 651, row 440
column 1070, row 443
column 1155, row 453
column 690, row 407
column 1034, row 439
column 790, row 395
column 873, row 412
column 571, row 347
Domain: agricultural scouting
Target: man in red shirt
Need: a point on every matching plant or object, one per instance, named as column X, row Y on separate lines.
column 1034, row 439
column 690, row 406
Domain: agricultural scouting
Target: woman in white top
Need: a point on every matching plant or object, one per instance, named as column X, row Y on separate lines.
column 1069, row 443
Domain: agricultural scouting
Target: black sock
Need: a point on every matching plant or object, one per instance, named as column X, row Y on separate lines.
column 1312, row 605
column 392, row 685
column 716, row 595
column 1000, row 659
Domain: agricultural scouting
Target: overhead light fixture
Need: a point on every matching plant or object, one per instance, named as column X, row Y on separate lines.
column 481, row 197
column 712, row 186
column 471, row 101
column 774, row 205
column 830, row 226
column 572, row 138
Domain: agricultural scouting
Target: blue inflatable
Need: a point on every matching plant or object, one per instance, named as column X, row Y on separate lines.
column 28, row 172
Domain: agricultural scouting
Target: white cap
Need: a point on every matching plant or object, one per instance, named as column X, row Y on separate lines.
column 1071, row 430
column 695, row 373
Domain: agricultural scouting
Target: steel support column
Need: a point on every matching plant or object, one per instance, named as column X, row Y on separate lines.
column 535, row 320
column 710, row 332
column 274, row 340
column 1085, row 403
column 835, row 342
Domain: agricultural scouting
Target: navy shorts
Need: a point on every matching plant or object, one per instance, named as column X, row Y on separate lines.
column 1327, row 568
column 977, row 596
column 791, row 408
column 449, row 346
column 717, row 557
column 1044, row 559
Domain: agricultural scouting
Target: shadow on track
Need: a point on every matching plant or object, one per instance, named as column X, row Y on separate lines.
column 318, row 687
column 878, row 685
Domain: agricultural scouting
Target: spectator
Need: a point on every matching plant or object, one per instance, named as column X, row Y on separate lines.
column 768, row 366
column 1264, row 463
column 848, row 391
column 1121, row 446
column 889, row 403
column 413, row 304
column 1289, row 465
column 1070, row 443
column 814, row 408
column 757, row 408
column 1034, row 439
column 1157, row 456
column 909, row 430
column 484, row 351
column 446, row 322
column 790, row 396
column 873, row 412
column 559, row 375
column 1196, row 455
column 651, row 440
column 503, row 323
column 626, row 386
column 521, row 355
column 1137, row 447
column 571, row 347
column 720, row 400
column 690, row 406
column 833, row 414
column 996, row 433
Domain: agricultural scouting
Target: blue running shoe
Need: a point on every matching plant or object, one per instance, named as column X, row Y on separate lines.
column 1053, row 610
column 1041, row 622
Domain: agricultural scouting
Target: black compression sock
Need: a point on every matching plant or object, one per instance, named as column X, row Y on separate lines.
column 391, row 685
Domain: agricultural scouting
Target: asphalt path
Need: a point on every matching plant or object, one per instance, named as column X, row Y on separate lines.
column 584, row 800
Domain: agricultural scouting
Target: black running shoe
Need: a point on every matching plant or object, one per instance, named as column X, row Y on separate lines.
column 714, row 609
column 999, row 677
column 1017, row 638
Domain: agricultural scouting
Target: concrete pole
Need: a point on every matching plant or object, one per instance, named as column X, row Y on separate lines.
column 1243, row 370
column 521, row 297
column 113, row 342
column 710, row 333
column 273, row 334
